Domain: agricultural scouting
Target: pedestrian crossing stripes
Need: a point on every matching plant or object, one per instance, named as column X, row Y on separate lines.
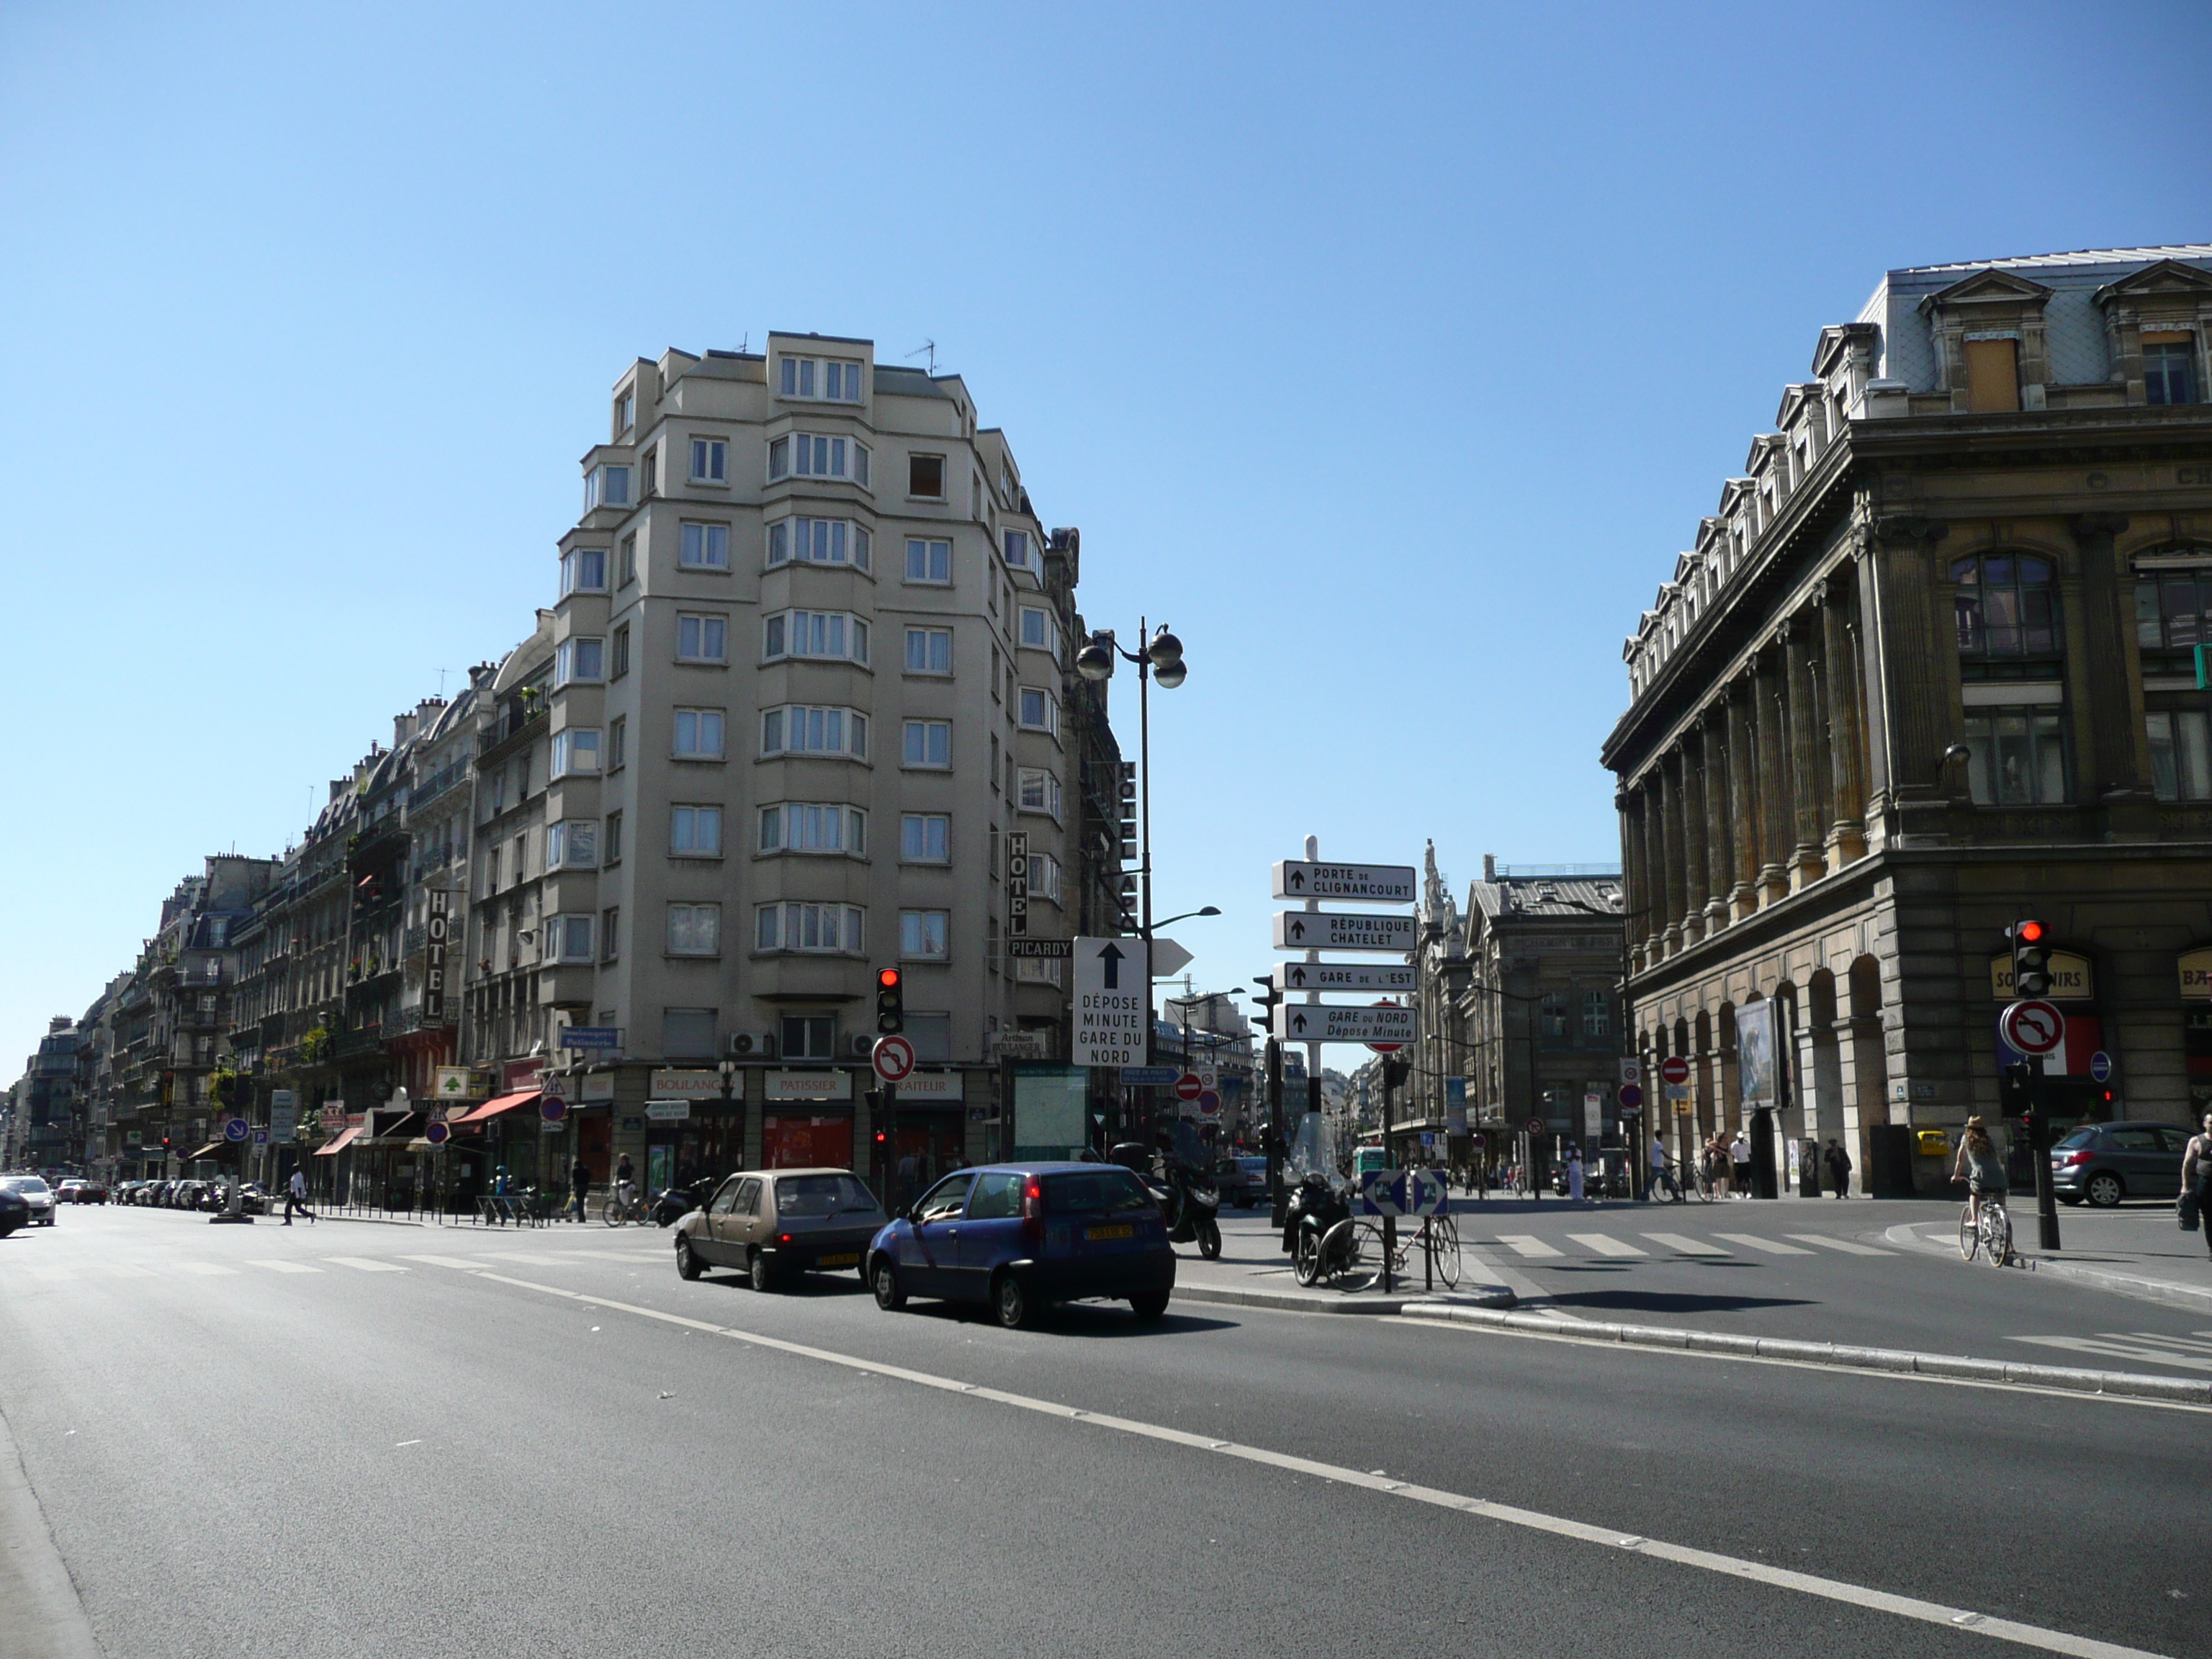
column 2139, row 1346
column 1768, row 1246
column 365, row 1264
column 1848, row 1246
column 1605, row 1246
column 201, row 1267
column 1682, row 1244
column 1527, row 1245
column 276, row 1265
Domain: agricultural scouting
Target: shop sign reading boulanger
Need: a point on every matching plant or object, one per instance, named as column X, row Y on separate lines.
column 2196, row 967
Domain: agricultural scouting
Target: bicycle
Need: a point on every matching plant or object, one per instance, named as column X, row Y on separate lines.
column 1435, row 1239
column 1991, row 1234
column 1705, row 1184
column 623, row 1207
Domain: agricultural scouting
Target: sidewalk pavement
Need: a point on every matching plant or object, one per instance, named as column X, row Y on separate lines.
column 1253, row 1271
column 2136, row 1249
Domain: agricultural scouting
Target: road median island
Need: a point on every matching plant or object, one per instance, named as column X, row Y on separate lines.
column 2106, row 1275
column 1338, row 1302
column 1845, row 1357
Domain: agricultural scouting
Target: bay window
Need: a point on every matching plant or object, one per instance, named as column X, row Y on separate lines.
column 579, row 659
column 813, row 827
column 817, row 927
column 826, row 634
column 584, row 570
column 818, row 541
column 576, row 751
column 803, row 729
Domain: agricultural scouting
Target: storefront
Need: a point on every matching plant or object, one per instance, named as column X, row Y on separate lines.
column 807, row 1120
column 694, row 1121
column 2072, row 1093
column 2195, row 974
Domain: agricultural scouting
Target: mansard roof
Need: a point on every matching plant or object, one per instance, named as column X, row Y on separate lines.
column 1986, row 285
column 2166, row 276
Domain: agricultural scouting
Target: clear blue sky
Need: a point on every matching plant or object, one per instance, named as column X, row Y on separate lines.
column 1390, row 354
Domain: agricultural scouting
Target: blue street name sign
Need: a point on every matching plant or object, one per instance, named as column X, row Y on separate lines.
column 1156, row 1077
column 590, row 1037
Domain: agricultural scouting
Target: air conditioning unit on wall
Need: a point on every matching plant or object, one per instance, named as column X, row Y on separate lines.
column 863, row 1044
column 752, row 1045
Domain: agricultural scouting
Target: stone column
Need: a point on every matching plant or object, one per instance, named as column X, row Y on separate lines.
column 1670, row 796
column 1630, row 806
column 1846, row 838
column 1693, row 912
column 2106, row 687
column 1919, row 651
column 1743, row 805
column 1712, row 733
column 1774, row 818
column 1654, row 791
column 1807, row 776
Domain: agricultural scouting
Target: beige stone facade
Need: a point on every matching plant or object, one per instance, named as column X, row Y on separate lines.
column 1927, row 672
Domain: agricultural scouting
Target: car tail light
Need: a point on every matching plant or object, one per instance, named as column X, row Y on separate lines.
column 1033, row 1213
column 2071, row 1160
column 783, row 1238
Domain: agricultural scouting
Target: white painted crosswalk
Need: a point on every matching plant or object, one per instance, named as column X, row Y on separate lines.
column 1765, row 1245
column 365, row 1264
column 1683, row 1244
column 1528, row 1244
column 1613, row 1246
column 1848, row 1246
column 278, row 1265
column 1604, row 1245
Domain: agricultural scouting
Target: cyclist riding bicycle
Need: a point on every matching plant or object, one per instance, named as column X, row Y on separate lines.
column 625, row 1181
column 1980, row 1168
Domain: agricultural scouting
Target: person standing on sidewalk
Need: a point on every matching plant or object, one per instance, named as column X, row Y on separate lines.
column 1740, row 1165
column 2197, row 1177
column 1575, row 1171
column 1839, row 1168
column 295, row 1198
column 579, row 1183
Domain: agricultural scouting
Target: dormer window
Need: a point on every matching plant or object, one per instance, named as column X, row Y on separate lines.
column 835, row 380
column 2169, row 368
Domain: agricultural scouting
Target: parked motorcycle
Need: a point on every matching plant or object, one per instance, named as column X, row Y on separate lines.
column 676, row 1202
column 1317, row 1233
column 1186, row 1192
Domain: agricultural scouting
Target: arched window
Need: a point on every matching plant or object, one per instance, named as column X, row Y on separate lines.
column 2006, row 607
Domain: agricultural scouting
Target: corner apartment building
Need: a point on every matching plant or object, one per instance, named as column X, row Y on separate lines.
column 808, row 674
column 1929, row 670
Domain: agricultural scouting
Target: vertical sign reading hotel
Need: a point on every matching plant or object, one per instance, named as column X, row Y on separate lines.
column 1018, row 883
column 434, row 968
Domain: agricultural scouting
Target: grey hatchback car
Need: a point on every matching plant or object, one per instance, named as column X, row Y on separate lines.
column 2105, row 1163
column 778, row 1224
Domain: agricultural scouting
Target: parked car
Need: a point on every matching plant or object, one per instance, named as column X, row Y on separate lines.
column 778, row 1224
column 92, row 1191
column 1241, row 1181
column 37, row 1196
column 185, row 1194
column 1019, row 1237
column 15, row 1212
column 2105, row 1163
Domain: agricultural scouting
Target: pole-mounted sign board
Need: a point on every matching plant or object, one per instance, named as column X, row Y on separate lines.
column 1345, row 976
column 1301, row 930
column 1374, row 883
column 1328, row 1023
column 1113, row 1002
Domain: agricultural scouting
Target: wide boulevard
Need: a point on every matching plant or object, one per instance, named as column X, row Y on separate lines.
column 353, row 1438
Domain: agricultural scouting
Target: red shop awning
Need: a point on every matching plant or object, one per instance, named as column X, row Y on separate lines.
column 345, row 1137
column 492, row 1109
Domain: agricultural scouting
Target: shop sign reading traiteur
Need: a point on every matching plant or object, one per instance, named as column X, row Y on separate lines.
column 949, row 1087
column 2072, row 978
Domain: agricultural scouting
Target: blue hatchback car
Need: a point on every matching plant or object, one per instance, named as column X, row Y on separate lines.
column 1020, row 1236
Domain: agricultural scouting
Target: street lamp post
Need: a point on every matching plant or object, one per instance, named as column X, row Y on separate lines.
column 1161, row 659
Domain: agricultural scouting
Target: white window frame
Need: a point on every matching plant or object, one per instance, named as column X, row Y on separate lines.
column 699, row 823
column 572, row 844
column 1049, row 791
column 782, row 718
column 1044, row 876
column 928, row 546
column 1009, row 540
column 797, row 827
column 925, row 935
column 929, row 639
column 701, row 722
column 576, row 752
column 607, row 485
column 710, row 461
column 1047, row 626
column 921, row 822
column 709, row 625
column 804, row 538
column 795, row 633
column 810, row 379
column 569, row 937
column 1048, row 705
column 695, row 930
column 698, row 544
column 832, row 455
column 576, row 564
column 774, row 927
column 581, row 659
column 927, row 728
column 943, row 469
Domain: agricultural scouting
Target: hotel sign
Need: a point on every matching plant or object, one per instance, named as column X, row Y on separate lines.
column 433, row 966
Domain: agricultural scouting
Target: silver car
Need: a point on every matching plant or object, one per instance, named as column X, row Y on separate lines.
column 34, row 1193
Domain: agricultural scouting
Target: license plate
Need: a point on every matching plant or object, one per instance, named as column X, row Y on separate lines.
column 1109, row 1232
column 850, row 1259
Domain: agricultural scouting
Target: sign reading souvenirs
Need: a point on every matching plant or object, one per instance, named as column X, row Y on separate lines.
column 1344, row 976
column 1018, row 883
column 1300, row 929
column 1378, row 883
column 1113, row 1001
column 2072, row 977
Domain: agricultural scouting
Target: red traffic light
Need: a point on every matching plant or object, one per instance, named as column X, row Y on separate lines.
column 2029, row 933
column 887, row 979
column 881, row 1136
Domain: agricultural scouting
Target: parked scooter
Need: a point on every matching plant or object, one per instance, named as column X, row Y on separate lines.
column 676, row 1202
column 1317, row 1233
column 1189, row 1197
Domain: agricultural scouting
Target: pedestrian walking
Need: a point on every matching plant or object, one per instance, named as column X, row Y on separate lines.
column 1740, row 1165
column 295, row 1198
column 2196, row 1179
column 1575, row 1173
column 1660, row 1175
column 579, row 1183
column 1839, row 1167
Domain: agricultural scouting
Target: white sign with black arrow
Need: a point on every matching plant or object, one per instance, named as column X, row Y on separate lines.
column 1315, row 930
column 1113, row 1002
column 1378, row 883
column 1327, row 1023
column 1344, row 976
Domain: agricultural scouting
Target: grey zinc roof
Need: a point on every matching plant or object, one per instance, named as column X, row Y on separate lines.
column 1546, row 896
column 906, row 382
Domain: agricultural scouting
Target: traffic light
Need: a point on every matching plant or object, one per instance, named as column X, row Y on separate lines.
column 1263, row 1015
column 2030, row 959
column 890, row 1001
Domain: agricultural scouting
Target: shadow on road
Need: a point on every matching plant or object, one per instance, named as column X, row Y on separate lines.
column 1666, row 1302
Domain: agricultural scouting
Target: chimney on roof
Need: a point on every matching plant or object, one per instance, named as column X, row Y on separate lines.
column 337, row 787
column 1490, row 867
column 403, row 728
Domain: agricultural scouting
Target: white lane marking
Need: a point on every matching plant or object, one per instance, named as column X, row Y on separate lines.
column 2122, row 1350
column 538, row 1259
column 365, row 1264
column 1754, row 1241
column 631, row 1256
column 442, row 1262
column 1527, row 1245
column 1848, row 1246
column 201, row 1267
column 1605, row 1246
column 124, row 1270
column 1683, row 1244
column 278, row 1265
column 1831, row 1589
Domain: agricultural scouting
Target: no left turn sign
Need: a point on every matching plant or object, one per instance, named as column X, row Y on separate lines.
column 893, row 1059
column 2033, row 1027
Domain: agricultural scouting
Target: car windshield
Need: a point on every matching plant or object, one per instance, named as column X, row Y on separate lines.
column 2079, row 1138
column 29, row 1186
column 1111, row 1190
column 822, row 1195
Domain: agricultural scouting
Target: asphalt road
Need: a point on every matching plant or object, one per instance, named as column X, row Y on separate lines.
column 317, row 1442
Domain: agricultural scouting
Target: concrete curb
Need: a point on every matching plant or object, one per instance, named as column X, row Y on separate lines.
column 41, row 1616
column 2186, row 1390
column 2196, row 1298
column 1325, row 1302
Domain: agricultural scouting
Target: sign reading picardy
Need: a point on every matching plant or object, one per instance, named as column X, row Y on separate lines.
column 2072, row 978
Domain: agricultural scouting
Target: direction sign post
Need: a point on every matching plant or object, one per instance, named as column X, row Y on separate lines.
column 1313, row 1022
column 1375, row 884
column 2034, row 1028
column 1343, row 931
column 1346, row 976
column 1113, row 1001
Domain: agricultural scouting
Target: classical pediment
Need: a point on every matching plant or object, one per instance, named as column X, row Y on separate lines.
column 1986, row 288
column 2167, row 279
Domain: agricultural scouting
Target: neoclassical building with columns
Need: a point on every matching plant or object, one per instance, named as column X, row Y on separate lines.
column 1929, row 669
